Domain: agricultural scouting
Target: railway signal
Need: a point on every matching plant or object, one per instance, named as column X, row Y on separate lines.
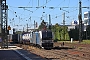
column 9, row 28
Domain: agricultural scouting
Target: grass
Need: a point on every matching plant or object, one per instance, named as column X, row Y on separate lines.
column 69, row 41
column 84, row 42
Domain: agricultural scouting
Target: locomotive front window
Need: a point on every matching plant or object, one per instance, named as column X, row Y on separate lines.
column 49, row 34
column 46, row 35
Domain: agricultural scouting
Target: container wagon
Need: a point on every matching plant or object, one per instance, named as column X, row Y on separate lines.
column 26, row 37
column 15, row 38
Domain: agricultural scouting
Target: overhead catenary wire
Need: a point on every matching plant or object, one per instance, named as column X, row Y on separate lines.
column 55, row 7
column 50, row 7
column 63, row 10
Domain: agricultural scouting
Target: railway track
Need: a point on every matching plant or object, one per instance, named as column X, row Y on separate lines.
column 59, row 54
column 82, row 54
column 73, row 55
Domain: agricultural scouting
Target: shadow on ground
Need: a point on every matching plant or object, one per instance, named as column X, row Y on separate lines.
column 62, row 47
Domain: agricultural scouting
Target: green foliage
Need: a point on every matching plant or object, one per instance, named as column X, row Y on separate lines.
column 18, row 32
column 74, row 33
column 59, row 32
column 88, row 32
column 86, row 42
column 42, row 25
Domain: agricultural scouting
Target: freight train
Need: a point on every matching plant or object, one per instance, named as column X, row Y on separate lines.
column 43, row 39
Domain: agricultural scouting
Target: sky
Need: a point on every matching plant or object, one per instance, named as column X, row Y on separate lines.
column 18, row 18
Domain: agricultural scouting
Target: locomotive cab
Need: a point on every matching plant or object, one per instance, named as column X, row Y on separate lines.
column 47, row 39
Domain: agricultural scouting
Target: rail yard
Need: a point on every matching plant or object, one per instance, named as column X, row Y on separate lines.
column 70, row 51
column 45, row 30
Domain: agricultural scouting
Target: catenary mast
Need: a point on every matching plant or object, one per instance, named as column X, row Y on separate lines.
column 3, row 23
column 80, row 22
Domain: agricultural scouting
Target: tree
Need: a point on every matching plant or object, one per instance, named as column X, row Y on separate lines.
column 59, row 32
column 74, row 33
column 42, row 25
column 55, row 28
column 18, row 32
column 88, row 32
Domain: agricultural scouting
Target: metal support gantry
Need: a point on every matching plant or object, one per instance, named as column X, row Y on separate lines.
column 80, row 22
column 64, row 24
column 4, row 14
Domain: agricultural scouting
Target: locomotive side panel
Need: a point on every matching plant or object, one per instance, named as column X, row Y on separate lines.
column 38, row 40
column 34, row 39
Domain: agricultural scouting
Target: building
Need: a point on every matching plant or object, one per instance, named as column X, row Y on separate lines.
column 87, row 18
column 85, row 21
column 74, row 25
